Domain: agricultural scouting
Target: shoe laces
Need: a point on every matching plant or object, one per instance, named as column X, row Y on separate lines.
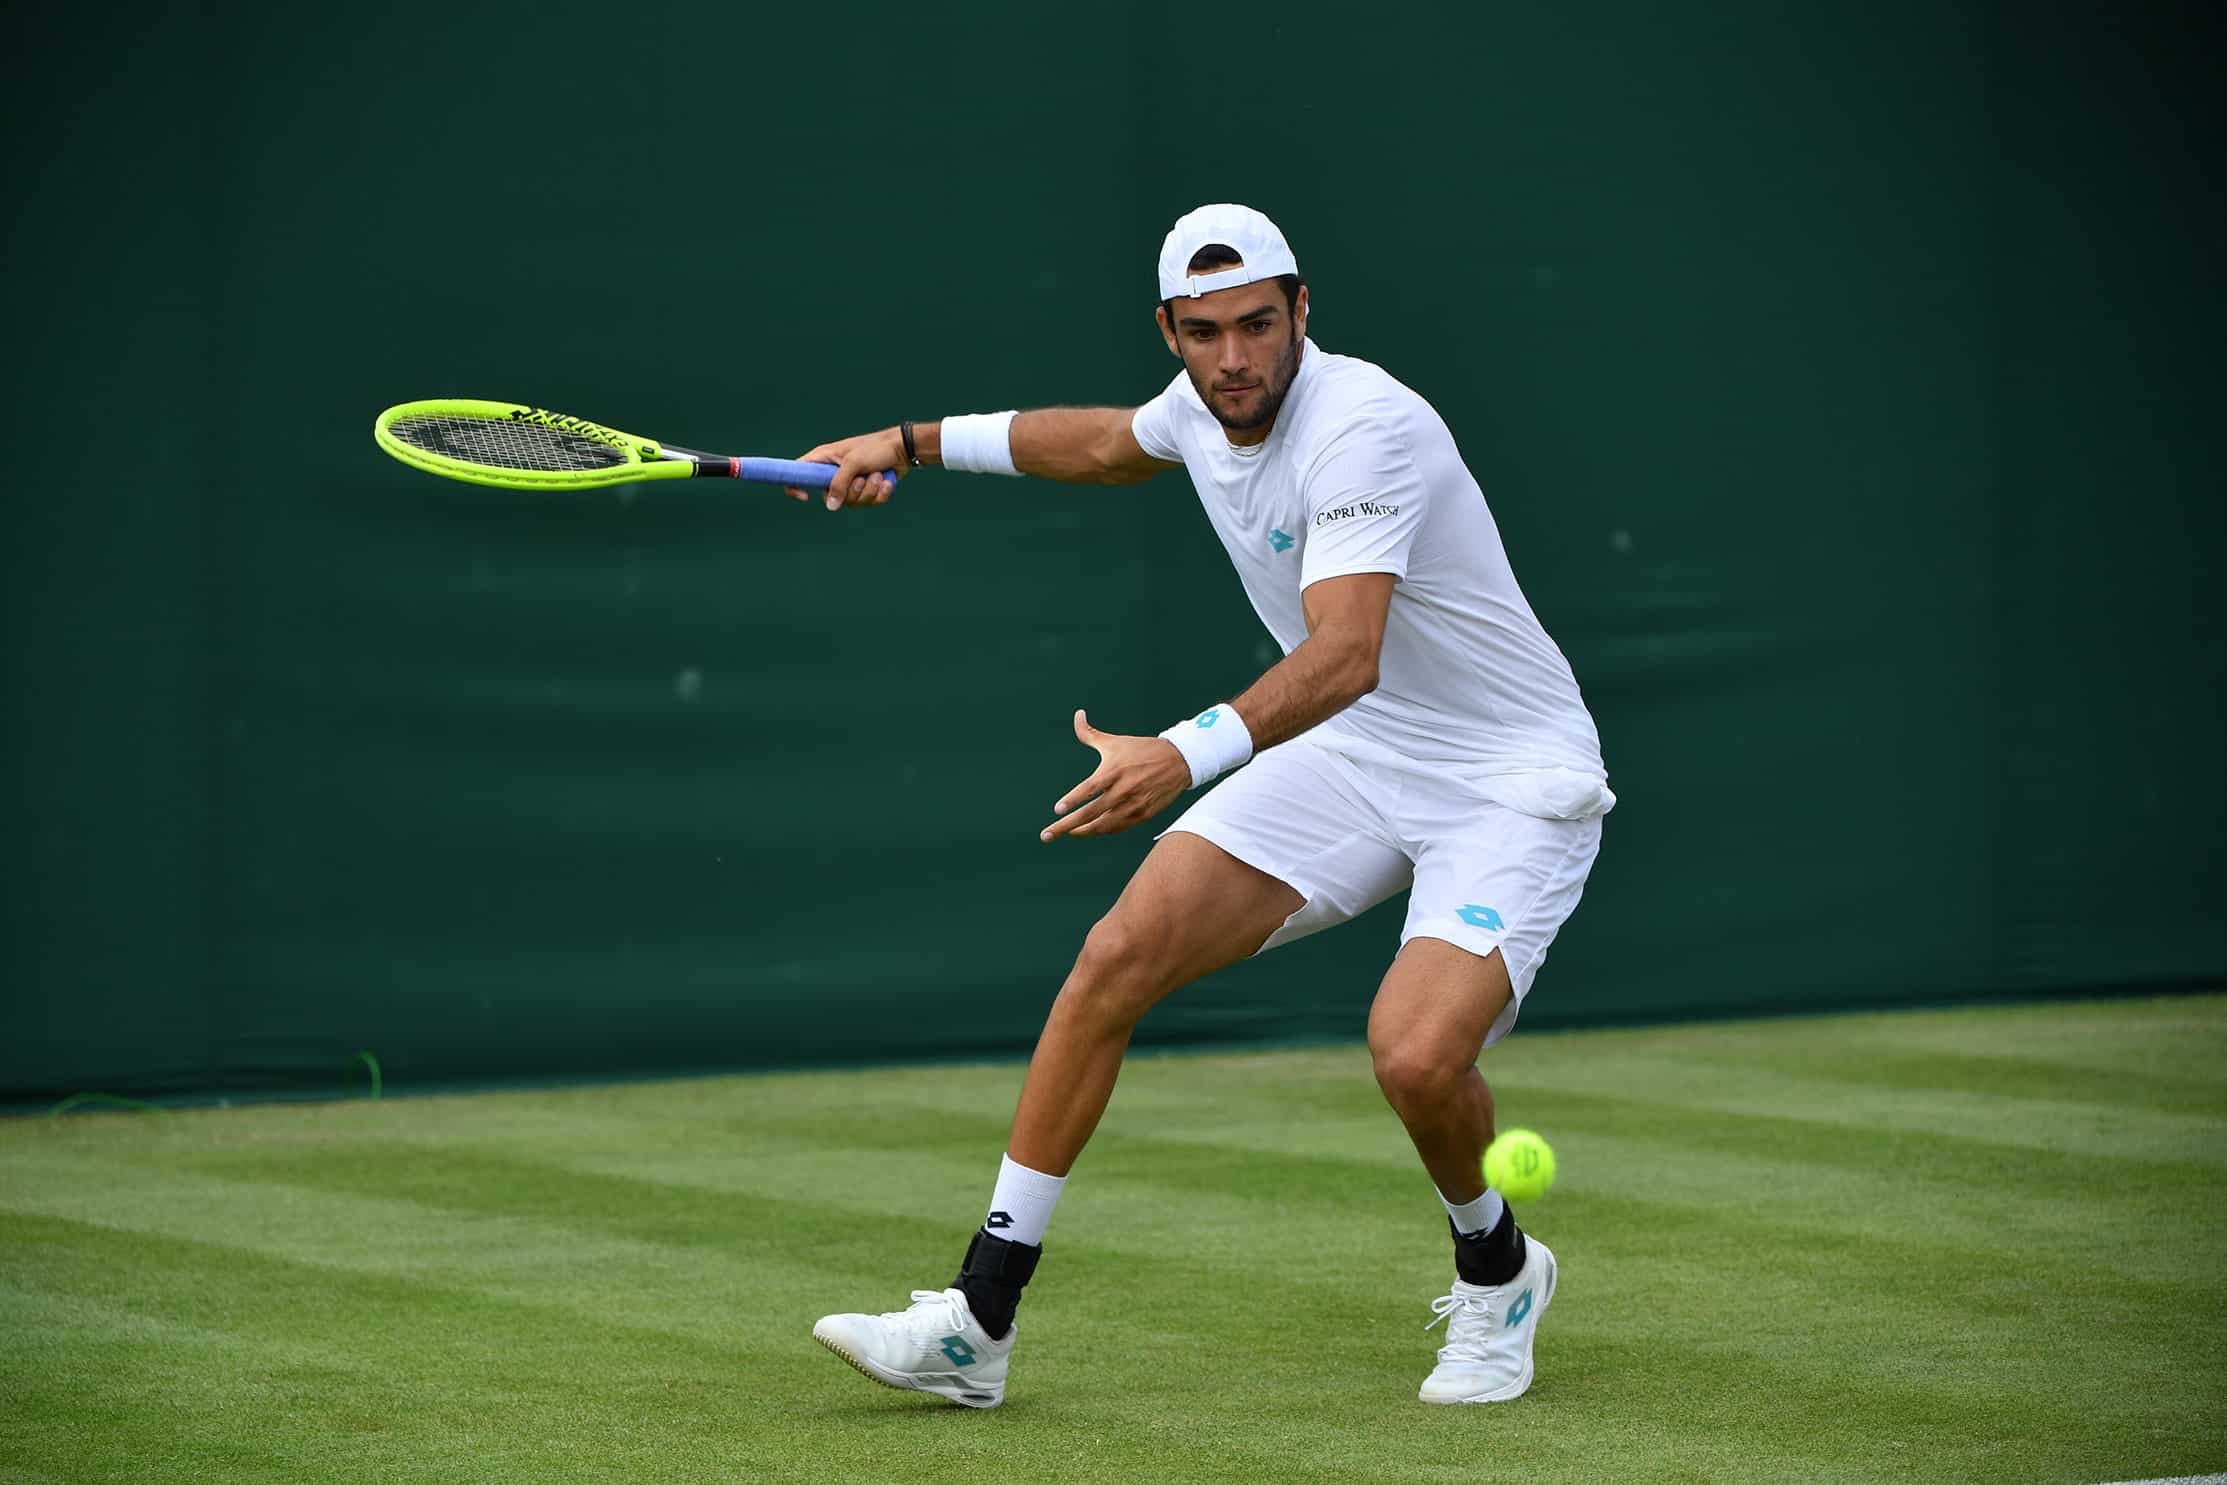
column 931, row 1310
column 1469, row 1322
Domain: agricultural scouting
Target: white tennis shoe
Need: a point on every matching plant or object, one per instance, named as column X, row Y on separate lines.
column 934, row 1346
column 1489, row 1327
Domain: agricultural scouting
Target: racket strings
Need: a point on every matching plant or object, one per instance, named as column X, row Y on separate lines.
column 503, row 444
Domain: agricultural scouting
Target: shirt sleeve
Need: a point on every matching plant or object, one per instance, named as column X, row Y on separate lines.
column 1155, row 423
column 1364, row 502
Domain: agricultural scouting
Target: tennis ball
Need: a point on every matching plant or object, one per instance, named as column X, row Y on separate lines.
column 1519, row 1165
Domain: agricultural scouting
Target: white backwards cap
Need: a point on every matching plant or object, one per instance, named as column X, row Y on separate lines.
column 1254, row 238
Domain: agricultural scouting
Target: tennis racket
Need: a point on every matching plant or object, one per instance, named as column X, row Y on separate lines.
column 528, row 448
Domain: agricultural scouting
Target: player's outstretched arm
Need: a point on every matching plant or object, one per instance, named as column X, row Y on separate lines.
column 1076, row 445
column 1083, row 446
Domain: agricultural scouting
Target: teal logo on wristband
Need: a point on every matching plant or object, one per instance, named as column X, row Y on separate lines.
column 1278, row 540
column 1210, row 716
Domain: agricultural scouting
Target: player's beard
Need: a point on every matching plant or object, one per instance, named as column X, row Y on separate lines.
column 1277, row 387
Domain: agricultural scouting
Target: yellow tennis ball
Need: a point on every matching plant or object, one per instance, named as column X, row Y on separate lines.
column 1519, row 1165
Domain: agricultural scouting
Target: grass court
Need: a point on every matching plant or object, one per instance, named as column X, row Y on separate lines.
column 1967, row 1245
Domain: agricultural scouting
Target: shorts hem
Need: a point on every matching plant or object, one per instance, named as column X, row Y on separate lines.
column 1505, row 1022
column 1306, row 892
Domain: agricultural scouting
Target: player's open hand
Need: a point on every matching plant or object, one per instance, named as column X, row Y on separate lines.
column 1136, row 778
column 865, row 464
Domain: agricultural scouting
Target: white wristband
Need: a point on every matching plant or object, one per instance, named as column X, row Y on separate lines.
column 1213, row 742
column 979, row 443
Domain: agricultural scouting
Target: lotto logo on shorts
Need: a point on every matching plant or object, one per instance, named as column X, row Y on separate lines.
column 1480, row 917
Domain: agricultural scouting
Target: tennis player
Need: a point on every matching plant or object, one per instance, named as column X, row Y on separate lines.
column 1421, row 733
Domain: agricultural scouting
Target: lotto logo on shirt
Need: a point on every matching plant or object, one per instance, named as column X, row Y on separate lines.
column 1358, row 508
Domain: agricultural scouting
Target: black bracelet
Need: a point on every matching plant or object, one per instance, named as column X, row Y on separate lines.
column 912, row 454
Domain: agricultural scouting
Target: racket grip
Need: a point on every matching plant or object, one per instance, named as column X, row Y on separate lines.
column 792, row 472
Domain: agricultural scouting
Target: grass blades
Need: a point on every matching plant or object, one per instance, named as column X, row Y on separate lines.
column 1978, row 1245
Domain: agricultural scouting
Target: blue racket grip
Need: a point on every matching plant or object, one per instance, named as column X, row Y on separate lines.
column 793, row 472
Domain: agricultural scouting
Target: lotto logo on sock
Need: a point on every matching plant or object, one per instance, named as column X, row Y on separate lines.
column 998, row 1221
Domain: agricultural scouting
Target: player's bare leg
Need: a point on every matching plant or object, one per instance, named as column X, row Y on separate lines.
column 1190, row 909
column 1426, row 1028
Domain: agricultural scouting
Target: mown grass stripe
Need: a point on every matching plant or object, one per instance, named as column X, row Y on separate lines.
column 2050, row 1125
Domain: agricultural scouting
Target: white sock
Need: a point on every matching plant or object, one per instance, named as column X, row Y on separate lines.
column 1021, row 1207
column 1473, row 1217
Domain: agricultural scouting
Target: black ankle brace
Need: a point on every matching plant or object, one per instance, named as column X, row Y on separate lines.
column 992, row 1277
column 1492, row 1257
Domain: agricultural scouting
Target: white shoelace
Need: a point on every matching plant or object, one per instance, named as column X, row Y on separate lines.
column 946, row 1318
column 1464, row 1342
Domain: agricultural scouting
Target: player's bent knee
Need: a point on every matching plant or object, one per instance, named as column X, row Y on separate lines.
column 1418, row 1075
column 1113, row 949
column 1120, row 970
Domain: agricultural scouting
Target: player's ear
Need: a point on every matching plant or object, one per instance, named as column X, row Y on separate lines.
column 1299, row 310
column 1167, row 330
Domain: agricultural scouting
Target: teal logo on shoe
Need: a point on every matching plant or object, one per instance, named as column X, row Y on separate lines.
column 961, row 1353
column 1278, row 540
column 1519, row 1309
column 1480, row 917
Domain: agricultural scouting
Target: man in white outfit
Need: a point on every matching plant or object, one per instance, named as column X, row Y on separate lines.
column 1421, row 731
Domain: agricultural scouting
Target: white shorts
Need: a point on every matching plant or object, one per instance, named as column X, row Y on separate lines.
column 1346, row 835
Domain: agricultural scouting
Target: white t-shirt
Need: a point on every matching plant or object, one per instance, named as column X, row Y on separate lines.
column 1360, row 475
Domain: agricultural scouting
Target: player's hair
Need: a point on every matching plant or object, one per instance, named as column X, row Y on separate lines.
column 1221, row 255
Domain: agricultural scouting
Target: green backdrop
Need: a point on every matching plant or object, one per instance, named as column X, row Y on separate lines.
column 1845, row 379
